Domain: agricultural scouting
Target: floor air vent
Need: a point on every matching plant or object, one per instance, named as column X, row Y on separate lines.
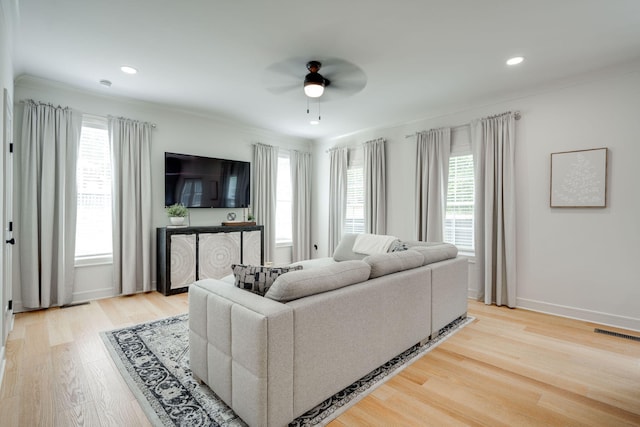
column 616, row 334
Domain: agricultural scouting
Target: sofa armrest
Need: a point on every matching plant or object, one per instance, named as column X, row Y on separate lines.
column 449, row 292
column 241, row 346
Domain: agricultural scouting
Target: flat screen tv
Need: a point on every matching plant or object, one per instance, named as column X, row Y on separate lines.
column 205, row 182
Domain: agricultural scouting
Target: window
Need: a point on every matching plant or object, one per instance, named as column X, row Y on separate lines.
column 93, row 226
column 460, row 201
column 284, row 226
column 354, row 215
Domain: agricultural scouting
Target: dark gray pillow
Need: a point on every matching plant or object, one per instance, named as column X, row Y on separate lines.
column 398, row 246
column 258, row 279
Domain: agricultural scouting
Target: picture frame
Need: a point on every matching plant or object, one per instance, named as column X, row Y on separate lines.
column 579, row 179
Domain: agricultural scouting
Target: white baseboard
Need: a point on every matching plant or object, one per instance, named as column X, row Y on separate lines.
column 473, row 294
column 580, row 314
column 77, row 297
column 93, row 294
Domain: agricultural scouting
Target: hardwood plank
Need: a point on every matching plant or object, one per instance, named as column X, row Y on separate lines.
column 78, row 416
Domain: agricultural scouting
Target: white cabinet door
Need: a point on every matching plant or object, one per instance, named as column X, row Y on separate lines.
column 183, row 260
column 217, row 251
column 251, row 245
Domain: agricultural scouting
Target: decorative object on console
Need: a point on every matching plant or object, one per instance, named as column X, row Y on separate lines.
column 231, row 216
column 177, row 213
column 579, row 179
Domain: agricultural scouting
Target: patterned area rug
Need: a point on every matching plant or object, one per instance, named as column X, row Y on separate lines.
column 154, row 360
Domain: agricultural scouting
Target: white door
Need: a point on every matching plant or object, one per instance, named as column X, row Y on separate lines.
column 7, row 259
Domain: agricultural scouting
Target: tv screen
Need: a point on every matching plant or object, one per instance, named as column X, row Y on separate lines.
column 205, row 182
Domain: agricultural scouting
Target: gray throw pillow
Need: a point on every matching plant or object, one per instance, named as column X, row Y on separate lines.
column 258, row 279
column 344, row 250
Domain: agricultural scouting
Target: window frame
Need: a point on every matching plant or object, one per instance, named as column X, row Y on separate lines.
column 280, row 243
column 97, row 122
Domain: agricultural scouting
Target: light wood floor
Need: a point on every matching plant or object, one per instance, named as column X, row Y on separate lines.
column 508, row 368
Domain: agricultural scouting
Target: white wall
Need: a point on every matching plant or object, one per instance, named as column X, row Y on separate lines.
column 176, row 131
column 6, row 82
column 573, row 262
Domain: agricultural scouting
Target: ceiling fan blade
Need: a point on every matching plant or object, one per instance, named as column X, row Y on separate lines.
column 284, row 76
column 282, row 89
column 290, row 67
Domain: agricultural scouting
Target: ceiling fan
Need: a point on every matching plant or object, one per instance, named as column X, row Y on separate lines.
column 339, row 78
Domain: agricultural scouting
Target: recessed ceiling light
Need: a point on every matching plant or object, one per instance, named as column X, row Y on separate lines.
column 129, row 70
column 314, row 122
column 515, row 60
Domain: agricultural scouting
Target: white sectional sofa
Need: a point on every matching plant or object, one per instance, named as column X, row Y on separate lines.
column 328, row 325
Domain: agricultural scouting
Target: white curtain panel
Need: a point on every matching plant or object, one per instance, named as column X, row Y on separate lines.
column 265, row 178
column 337, row 195
column 375, row 187
column 493, row 145
column 130, row 143
column 47, row 225
column 432, row 176
column 301, row 205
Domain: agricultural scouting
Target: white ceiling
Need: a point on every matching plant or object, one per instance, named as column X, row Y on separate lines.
column 420, row 57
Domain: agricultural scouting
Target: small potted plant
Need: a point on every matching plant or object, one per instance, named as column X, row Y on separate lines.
column 176, row 213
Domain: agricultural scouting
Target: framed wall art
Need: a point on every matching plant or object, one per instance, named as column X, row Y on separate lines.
column 579, row 179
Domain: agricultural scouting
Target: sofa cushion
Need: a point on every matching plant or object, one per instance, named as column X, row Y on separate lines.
column 299, row 284
column 392, row 262
column 436, row 252
column 258, row 279
column 344, row 250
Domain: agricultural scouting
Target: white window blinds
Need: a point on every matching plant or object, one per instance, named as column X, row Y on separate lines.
column 460, row 203
column 354, row 215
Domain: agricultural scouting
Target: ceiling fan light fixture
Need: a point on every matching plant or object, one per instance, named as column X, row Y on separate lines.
column 313, row 90
column 313, row 85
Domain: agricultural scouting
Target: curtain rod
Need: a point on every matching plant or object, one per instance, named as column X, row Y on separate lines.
column 22, row 101
column 516, row 115
column 354, row 146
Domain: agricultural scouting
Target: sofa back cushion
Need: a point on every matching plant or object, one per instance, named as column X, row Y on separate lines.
column 392, row 262
column 436, row 252
column 299, row 284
